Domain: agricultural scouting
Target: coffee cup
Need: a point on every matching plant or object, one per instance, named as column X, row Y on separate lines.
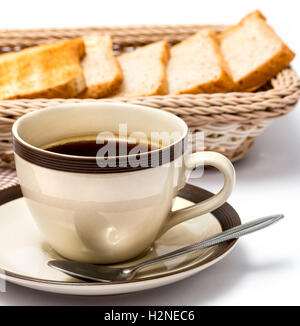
column 108, row 209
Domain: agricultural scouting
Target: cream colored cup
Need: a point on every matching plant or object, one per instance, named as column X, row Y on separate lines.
column 106, row 215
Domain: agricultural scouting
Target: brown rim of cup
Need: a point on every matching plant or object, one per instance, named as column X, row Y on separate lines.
column 116, row 164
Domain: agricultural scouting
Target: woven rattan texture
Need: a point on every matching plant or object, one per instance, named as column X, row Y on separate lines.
column 229, row 121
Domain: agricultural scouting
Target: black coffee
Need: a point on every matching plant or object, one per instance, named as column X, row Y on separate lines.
column 111, row 147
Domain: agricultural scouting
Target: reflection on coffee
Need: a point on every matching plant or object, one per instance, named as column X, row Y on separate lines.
column 105, row 148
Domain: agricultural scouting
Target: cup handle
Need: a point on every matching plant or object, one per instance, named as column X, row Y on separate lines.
column 218, row 161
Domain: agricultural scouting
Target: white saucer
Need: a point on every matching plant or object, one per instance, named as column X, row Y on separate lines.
column 24, row 253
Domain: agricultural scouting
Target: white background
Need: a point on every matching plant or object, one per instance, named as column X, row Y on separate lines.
column 264, row 268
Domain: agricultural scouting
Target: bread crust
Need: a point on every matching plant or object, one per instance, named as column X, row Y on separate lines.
column 222, row 83
column 33, row 68
column 262, row 73
column 161, row 85
column 98, row 45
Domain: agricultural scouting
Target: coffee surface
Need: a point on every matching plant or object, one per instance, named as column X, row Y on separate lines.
column 111, row 147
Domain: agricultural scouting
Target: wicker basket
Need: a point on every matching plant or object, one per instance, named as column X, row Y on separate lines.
column 230, row 122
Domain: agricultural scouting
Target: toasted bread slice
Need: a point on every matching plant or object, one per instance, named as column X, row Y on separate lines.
column 197, row 66
column 253, row 52
column 144, row 71
column 48, row 71
column 102, row 71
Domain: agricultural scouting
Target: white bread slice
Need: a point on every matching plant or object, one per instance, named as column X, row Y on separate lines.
column 196, row 66
column 102, row 71
column 144, row 71
column 43, row 71
column 253, row 52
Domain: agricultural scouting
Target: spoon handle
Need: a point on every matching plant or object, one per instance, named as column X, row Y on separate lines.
column 229, row 234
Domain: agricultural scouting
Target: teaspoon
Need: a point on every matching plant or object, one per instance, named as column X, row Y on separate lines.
column 104, row 273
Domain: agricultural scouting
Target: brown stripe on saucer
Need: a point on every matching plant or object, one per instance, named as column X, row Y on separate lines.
column 226, row 216
column 81, row 164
